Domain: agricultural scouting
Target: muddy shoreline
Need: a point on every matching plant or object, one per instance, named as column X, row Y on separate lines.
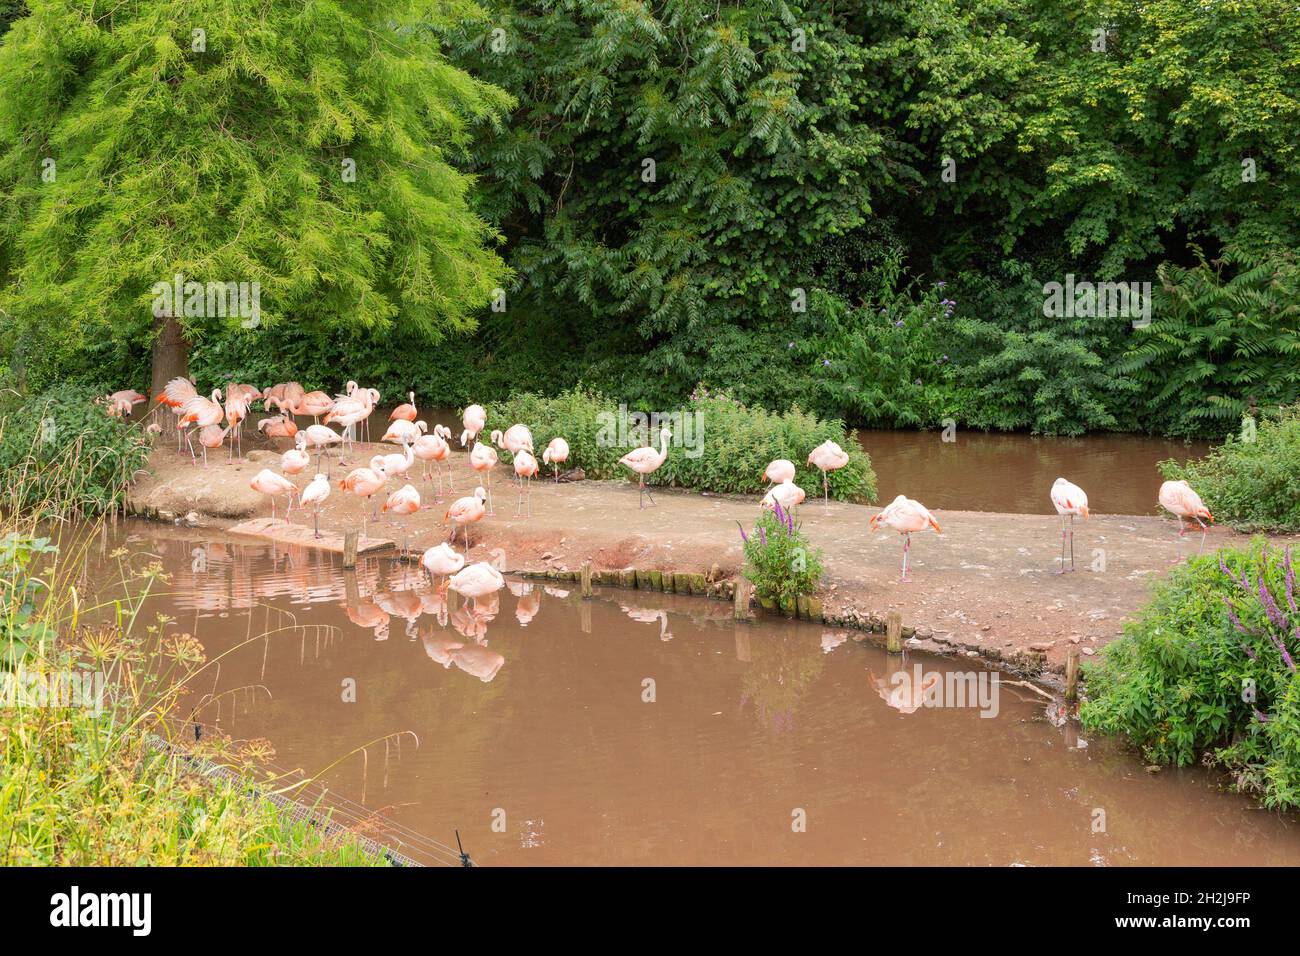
column 986, row 588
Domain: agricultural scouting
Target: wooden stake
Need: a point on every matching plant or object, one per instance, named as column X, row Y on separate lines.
column 1072, row 673
column 350, row 540
column 894, row 632
column 586, row 579
column 744, row 587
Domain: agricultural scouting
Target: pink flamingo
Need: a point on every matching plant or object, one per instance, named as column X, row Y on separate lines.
column 906, row 517
column 200, row 412
column 778, row 471
column 317, row 490
column 1178, row 498
column 396, row 466
column 646, row 461
column 314, row 404
column 321, row 437
column 405, row 501
column 474, row 420
column 121, row 403
column 465, row 511
column 514, row 439
column 476, row 581
column 1068, row 499
column 402, row 432
column 348, row 411
column 442, row 560
column 556, row 454
column 295, row 460
column 175, row 394
column 406, row 411
column 828, row 456
column 526, row 470
column 483, row 458
column 211, row 436
column 272, row 485
column 433, row 450
column 787, row 494
column 236, row 409
column 365, row 483
column 280, row 426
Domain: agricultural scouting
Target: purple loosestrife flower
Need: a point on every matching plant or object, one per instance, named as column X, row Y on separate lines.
column 762, row 535
column 743, row 537
column 1250, row 652
column 1232, row 616
column 780, row 515
column 1260, row 715
column 1290, row 578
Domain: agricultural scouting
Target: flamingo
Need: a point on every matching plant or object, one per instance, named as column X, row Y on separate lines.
column 236, row 409
column 906, row 517
column 200, row 412
column 406, row 411
column 402, row 432
column 1069, row 499
column 175, row 394
column 778, row 471
column 526, row 470
column 396, row 466
column 434, row 449
column 474, row 420
column 404, row 501
column 477, row 581
column 828, row 456
column 465, row 511
column 211, row 436
column 365, row 482
column 314, row 404
column 348, row 411
column 442, row 560
column 483, row 458
column 295, row 460
column 272, row 485
column 514, row 439
column 556, row 454
column 317, row 490
column 787, row 494
column 646, row 461
column 1178, row 498
column 280, row 426
column 120, row 403
column 320, row 437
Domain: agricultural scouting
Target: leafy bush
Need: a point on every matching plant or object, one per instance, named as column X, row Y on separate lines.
column 1208, row 668
column 1253, row 479
column 61, row 453
column 1225, row 333
column 734, row 442
column 779, row 559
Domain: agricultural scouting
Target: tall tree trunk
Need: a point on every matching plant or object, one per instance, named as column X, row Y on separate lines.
column 171, row 358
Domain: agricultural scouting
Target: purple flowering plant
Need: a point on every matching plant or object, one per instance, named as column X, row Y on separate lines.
column 778, row 558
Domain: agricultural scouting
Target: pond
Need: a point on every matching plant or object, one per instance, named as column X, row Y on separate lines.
column 635, row 729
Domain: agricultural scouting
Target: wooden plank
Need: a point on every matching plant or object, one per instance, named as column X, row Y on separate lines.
column 282, row 532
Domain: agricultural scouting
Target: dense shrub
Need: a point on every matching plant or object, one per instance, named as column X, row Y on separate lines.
column 1208, row 669
column 61, row 453
column 779, row 559
column 1253, row 479
column 718, row 444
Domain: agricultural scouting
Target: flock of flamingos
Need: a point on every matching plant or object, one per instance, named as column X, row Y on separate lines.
column 214, row 420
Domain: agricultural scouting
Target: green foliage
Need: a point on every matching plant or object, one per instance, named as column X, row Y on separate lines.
column 718, row 444
column 1226, row 334
column 62, row 454
column 227, row 157
column 1208, row 668
column 779, row 559
column 1253, row 479
column 21, row 593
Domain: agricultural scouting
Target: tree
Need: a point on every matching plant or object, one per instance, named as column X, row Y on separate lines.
column 291, row 161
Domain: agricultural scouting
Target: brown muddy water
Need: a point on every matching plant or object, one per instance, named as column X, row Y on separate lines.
column 1011, row 473
column 528, row 727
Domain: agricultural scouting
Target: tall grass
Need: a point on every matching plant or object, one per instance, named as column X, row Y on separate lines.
column 84, row 786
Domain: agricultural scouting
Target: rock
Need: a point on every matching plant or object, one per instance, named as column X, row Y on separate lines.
column 192, row 517
column 1042, row 646
column 1087, row 651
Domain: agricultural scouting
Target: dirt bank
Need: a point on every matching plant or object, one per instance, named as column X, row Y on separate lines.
column 986, row 585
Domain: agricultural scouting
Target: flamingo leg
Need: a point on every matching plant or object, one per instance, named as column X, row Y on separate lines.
column 1060, row 568
column 1204, row 531
column 907, row 546
column 1071, row 542
column 315, row 521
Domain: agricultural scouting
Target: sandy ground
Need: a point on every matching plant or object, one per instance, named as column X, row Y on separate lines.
column 987, row 584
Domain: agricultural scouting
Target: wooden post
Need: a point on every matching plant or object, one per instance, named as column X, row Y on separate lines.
column 743, row 589
column 350, row 540
column 586, row 579
column 351, row 590
column 894, row 632
column 1072, row 673
column 584, row 617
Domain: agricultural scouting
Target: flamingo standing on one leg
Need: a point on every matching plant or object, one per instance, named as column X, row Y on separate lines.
column 525, row 470
column 828, row 456
column 906, row 517
column 432, row 450
column 365, row 483
column 465, row 511
column 646, row 461
column 483, row 458
column 406, row 411
column 1069, row 499
column 1178, row 498
column 477, row 581
column 404, row 501
column 272, row 485
column 442, row 560
column 556, row 454
column 200, row 412
column 321, row 437
column 474, row 420
column 317, row 490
